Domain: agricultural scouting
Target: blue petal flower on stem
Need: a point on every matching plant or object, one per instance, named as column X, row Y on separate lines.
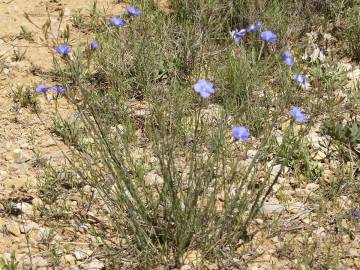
column 268, row 36
column 287, row 58
column 94, row 45
column 133, row 11
column 240, row 133
column 58, row 89
column 297, row 114
column 63, row 49
column 254, row 27
column 238, row 35
column 41, row 88
column 356, row 214
column 302, row 81
column 204, row 88
column 251, row 28
column 258, row 26
column 118, row 22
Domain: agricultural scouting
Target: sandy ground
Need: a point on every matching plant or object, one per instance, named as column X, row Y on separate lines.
column 25, row 136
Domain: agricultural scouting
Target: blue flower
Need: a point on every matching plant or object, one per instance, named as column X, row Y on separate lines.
column 251, row 28
column 240, row 133
column 63, row 50
column 302, row 81
column 258, row 26
column 94, row 45
column 287, row 58
column 254, row 27
column 204, row 88
column 41, row 88
column 118, row 22
column 133, row 11
column 356, row 214
column 58, row 89
column 238, row 35
column 297, row 114
column 268, row 36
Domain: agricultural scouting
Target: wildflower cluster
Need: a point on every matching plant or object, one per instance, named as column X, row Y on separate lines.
column 269, row 37
column 195, row 153
column 120, row 22
column 44, row 89
column 238, row 35
column 206, row 88
column 64, row 50
column 266, row 36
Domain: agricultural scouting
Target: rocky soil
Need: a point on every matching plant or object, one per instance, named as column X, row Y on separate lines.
column 296, row 223
column 27, row 140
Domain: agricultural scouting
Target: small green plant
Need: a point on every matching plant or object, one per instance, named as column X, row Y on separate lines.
column 352, row 32
column 10, row 264
column 302, row 164
column 26, row 98
column 345, row 133
column 25, row 34
column 77, row 19
column 68, row 130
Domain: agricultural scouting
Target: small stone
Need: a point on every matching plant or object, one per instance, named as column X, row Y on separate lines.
column 320, row 155
column 37, row 202
column 301, row 193
column 353, row 75
column 87, row 189
column 54, row 155
column 39, row 261
column 48, row 143
column 13, row 228
column 20, row 157
column 275, row 170
column 76, row 116
column 345, row 66
column 25, row 146
column 152, row 179
column 320, row 232
column 344, row 202
column 119, row 129
column 259, row 221
column 311, row 187
column 251, row 153
column 70, row 259
column 185, row 267
column 26, row 208
column 88, row 140
column 95, row 264
column 193, row 257
column 295, row 207
column 314, row 139
column 81, row 255
column 271, row 208
column 29, row 227
column 42, row 234
column 355, row 253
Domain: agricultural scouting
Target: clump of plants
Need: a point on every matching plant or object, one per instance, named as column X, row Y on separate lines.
column 173, row 105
